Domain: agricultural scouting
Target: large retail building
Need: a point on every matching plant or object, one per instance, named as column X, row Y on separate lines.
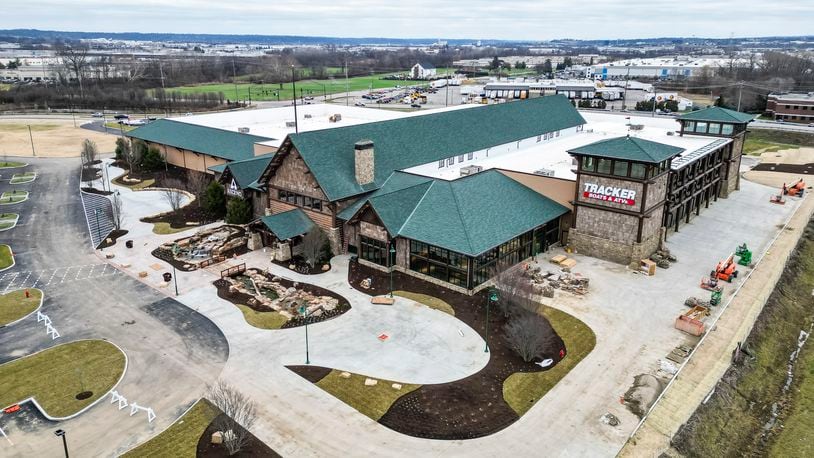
column 456, row 196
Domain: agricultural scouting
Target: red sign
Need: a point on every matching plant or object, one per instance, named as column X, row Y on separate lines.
column 12, row 409
column 609, row 194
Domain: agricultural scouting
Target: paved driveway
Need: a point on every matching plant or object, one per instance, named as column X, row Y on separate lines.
column 172, row 351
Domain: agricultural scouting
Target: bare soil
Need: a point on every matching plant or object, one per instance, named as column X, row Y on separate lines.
column 114, row 236
column 256, row 447
column 311, row 373
column 467, row 408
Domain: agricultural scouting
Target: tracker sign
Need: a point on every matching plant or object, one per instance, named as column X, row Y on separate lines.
column 610, row 194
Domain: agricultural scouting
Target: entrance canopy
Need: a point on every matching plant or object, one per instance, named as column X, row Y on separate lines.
column 289, row 224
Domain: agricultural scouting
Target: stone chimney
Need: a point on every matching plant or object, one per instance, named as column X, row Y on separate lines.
column 363, row 160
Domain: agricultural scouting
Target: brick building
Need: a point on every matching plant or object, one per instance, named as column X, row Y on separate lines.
column 792, row 107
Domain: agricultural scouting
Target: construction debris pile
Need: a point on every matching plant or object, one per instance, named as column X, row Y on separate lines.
column 282, row 299
column 546, row 282
column 663, row 258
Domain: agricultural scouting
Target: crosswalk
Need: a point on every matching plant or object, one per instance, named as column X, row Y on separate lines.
column 10, row 281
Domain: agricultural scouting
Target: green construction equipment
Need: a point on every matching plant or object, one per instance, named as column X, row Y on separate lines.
column 745, row 255
column 715, row 299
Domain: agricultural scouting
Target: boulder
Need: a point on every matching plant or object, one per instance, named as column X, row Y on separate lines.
column 217, row 437
column 344, row 375
column 396, row 386
column 371, row 382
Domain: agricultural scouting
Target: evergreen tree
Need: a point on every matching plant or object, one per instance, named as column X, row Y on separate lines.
column 238, row 211
column 214, row 200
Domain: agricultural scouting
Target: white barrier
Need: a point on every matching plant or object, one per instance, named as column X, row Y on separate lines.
column 115, row 397
column 49, row 329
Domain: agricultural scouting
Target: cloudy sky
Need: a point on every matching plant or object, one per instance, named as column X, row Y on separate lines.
column 478, row 19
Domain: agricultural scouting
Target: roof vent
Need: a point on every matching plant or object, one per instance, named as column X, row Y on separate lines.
column 363, row 161
column 290, row 123
column 243, row 130
column 544, row 172
column 470, row 170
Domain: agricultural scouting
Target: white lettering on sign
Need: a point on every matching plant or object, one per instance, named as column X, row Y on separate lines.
column 609, row 194
column 234, row 189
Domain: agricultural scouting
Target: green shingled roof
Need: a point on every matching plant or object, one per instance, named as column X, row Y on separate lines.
column 224, row 144
column 629, row 148
column 288, row 224
column 717, row 114
column 411, row 141
column 247, row 171
column 468, row 215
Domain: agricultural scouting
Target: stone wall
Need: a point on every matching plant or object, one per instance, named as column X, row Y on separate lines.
column 614, row 227
column 619, row 252
column 732, row 183
column 657, row 191
column 294, row 175
column 651, row 226
column 373, row 231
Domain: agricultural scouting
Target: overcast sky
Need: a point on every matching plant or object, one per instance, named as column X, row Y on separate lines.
column 477, row 19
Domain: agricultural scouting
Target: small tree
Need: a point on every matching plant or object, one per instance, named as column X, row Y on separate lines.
column 239, row 415
column 172, row 194
column 529, row 334
column 136, row 153
column 122, row 149
column 197, row 183
column 516, row 291
column 214, row 200
column 152, row 160
column 117, row 206
column 238, row 211
column 89, row 151
column 312, row 246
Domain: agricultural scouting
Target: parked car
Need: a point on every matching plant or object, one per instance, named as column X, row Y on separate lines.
column 415, row 105
column 121, row 116
column 359, row 104
column 97, row 115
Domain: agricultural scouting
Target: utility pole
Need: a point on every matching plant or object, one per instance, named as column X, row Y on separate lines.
column 446, row 96
column 294, row 98
column 347, row 85
column 32, row 140
column 740, row 92
column 234, row 77
column 655, row 93
column 624, row 94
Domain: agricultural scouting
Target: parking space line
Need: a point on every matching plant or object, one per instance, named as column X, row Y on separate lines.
column 38, row 279
column 11, row 282
column 65, row 275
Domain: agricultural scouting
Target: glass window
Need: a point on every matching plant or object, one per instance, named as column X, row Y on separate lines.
column 714, row 128
column 726, row 129
column 373, row 250
column 620, row 168
column 470, row 156
column 689, row 126
column 460, row 158
column 588, row 163
column 604, row 166
column 637, row 170
column 316, row 205
column 451, row 161
column 701, row 127
column 441, row 163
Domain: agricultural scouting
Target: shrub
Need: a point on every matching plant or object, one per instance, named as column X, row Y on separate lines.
column 152, row 159
column 214, row 200
column 238, row 211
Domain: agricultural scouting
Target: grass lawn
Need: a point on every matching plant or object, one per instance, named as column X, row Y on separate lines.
column 6, row 258
column 55, row 376
column 164, row 228
column 45, row 127
column 9, row 198
column 429, row 301
column 11, row 164
column 314, row 88
column 797, row 436
column 117, row 126
column 181, row 438
column 522, row 390
column 765, row 140
column 14, row 305
column 262, row 320
column 373, row 401
column 19, row 178
column 144, row 184
column 8, row 220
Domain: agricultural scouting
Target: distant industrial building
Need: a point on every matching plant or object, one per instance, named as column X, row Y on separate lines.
column 423, row 71
column 793, row 107
column 659, row 67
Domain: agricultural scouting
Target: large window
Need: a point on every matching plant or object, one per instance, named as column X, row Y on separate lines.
column 726, row 129
column 502, row 257
column 714, row 128
column 310, row 203
column 374, row 251
column 439, row 263
column 701, row 127
column 604, row 166
column 620, row 168
column 588, row 164
column 637, row 170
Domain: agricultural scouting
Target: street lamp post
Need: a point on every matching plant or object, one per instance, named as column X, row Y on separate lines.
column 61, row 433
column 294, row 98
column 491, row 297
column 304, row 312
column 390, row 259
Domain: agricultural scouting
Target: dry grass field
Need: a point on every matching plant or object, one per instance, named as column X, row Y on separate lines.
column 52, row 138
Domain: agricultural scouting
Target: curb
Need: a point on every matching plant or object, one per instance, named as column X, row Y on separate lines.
column 13, row 261
column 25, row 164
column 27, row 195
column 17, row 219
column 87, row 407
column 11, row 181
column 42, row 298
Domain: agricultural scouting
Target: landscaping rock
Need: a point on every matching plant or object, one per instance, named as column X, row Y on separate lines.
column 109, row 255
column 371, row 382
column 396, row 386
column 125, row 265
column 217, row 437
column 326, row 267
column 142, row 274
column 344, row 375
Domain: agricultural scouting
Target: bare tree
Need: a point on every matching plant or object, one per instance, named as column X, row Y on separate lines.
column 89, row 152
column 516, row 291
column 172, row 195
column 529, row 334
column 197, row 183
column 75, row 59
column 117, row 206
column 239, row 415
column 312, row 244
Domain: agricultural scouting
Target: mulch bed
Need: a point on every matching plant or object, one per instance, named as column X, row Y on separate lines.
column 115, row 235
column 255, row 448
column 302, row 267
column 97, row 191
column 802, row 169
column 467, row 408
column 165, row 254
column 90, row 173
column 311, row 373
column 191, row 213
column 243, row 299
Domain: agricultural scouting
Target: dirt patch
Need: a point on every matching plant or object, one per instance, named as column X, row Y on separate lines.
column 97, row 191
column 467, row 408
column 302, row 267
column 183, row 218
column 311, row 373
column 113, row 236
column 641, row 396
column 237, row 297
column 84, row 395
column 55, row 137
column 255, row 448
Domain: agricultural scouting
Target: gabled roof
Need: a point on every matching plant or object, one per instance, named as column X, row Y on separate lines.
column 407, row 142
column 468, row 215
column 247, row 171
column 629, row 148
column 288, row 224
column 427, row 65
column 224, row 144
column 717, row 114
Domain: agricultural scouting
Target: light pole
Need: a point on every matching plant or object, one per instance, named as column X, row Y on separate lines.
column 294, row 98
column 390, row 259
column 61, row 433
column 175, row 279
column 304, row 312
column 96, row 212
column 491, row 297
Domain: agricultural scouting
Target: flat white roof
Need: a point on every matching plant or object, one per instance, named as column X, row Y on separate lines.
column 271, row 122
column 553, row 154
